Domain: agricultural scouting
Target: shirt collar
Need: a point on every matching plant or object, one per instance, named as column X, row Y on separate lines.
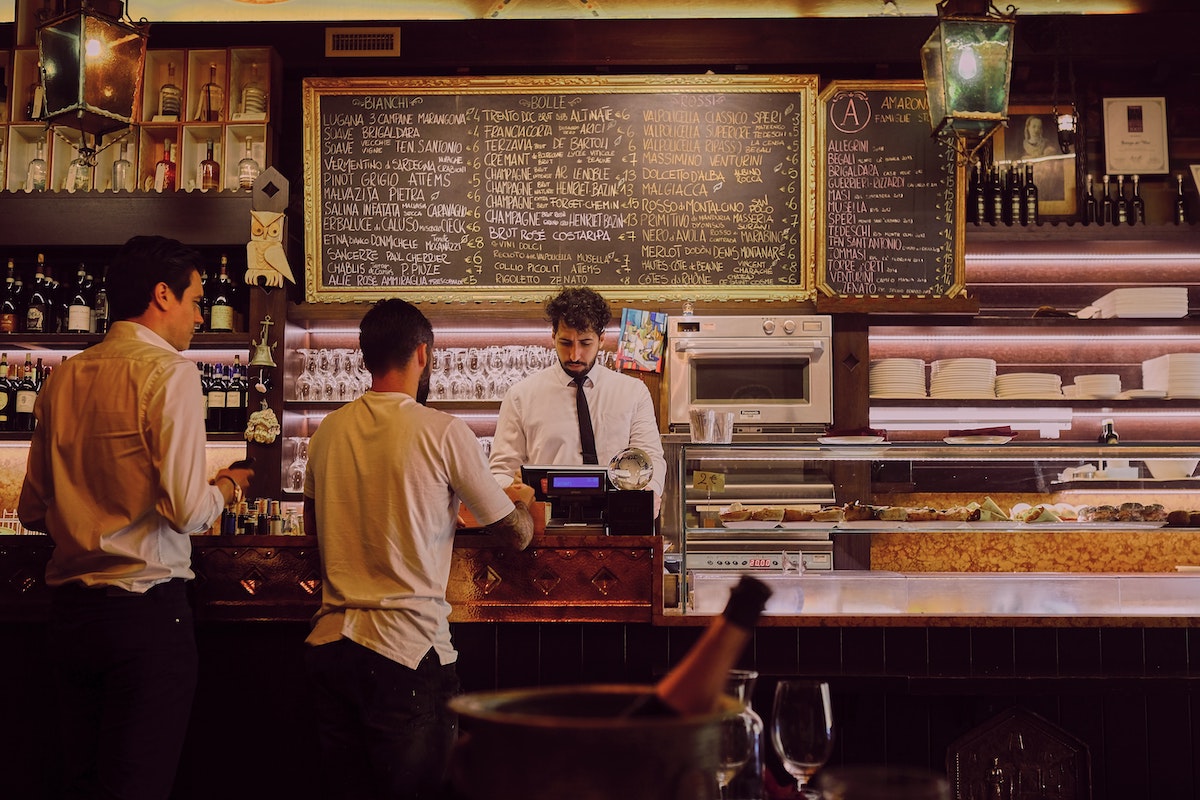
column 592, row 374
column 126, row 329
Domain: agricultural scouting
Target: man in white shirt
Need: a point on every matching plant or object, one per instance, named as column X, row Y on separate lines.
column 116, row 476
column 539, row 417
column 384, row 479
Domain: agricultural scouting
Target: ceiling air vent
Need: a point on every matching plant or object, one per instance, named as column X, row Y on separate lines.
column 362, row 42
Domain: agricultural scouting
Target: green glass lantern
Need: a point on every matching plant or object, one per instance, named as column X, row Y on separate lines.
column 967, row 63
column 92, row 62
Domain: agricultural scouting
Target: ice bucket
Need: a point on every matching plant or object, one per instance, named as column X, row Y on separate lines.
column 571, row 742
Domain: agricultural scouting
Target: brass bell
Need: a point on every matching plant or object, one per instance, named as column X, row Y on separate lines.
column 262, row 348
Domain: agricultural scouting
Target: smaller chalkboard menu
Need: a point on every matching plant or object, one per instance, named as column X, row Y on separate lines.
column 890, row 223
column 473, row 189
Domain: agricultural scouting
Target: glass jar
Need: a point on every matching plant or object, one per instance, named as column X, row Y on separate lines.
column 748, row 783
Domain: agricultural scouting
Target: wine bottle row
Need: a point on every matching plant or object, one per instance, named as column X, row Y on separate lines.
column 226, row 396
column 19, row 387
column 41, row 304
column 1115, row 208
column 1002, row 195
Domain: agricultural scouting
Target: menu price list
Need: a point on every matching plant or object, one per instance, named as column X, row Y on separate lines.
column 889, row 196
column 547, row 190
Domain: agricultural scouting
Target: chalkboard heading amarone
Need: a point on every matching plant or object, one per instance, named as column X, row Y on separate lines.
column 891, row 222
column 496, row 189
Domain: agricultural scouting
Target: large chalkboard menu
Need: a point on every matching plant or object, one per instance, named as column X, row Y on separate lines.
column 891, row 223
column 472, row 189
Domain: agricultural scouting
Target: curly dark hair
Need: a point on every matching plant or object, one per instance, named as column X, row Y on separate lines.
column 580, row 308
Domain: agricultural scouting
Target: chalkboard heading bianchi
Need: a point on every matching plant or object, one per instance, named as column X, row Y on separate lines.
column 502, row 189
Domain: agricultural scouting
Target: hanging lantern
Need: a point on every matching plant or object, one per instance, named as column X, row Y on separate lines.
column 967, row 63
column 91, row 62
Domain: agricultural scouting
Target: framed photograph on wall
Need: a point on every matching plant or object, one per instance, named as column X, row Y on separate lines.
column 1135, row 136
column 1031, row 137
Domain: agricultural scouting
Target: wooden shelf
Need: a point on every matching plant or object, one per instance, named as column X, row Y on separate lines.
column 78, row 341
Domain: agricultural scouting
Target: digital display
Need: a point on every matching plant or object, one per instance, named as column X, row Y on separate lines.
column 758, row 562
column 575, row 481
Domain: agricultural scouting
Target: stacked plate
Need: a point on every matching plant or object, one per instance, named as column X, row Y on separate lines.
column 898, row 377
column 963, row 378
column 1177, row 374
column 1029, row 386
column 1164, row 302
column 1097, row 387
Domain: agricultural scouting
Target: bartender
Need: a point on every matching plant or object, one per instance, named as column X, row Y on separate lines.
column 577, row 411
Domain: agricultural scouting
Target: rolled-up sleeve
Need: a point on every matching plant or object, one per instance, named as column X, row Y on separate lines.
column 175, row 426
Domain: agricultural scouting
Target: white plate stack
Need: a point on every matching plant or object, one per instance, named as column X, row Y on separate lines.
column 898, row 377
column 1163, row 302
column 963, row 378
column 1097, row 387
column 1177, row 374
column 1029, row 386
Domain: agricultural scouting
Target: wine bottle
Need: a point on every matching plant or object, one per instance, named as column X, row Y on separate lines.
column 1106, row 205
column 1108, row 433
column 220, row 312
column 996, row 198
column 36, row 172
column 79, row 173
column 1030, row 216
column 696, row 683
column 122, row 171
column 26, row 396
column 248, row 168
column 1122, row 214
column 235, row 397
column 1089, row 203
column 38, row 308
column 164, row 170
column 216, row 399
column 1181, row 215
column 212, row 98
column 1137, row 206
column 100, row 305
column 210, row 170
column 8, row 304
column 7, row 395
column 1016, row 195
column 79, row 307
column 170, row 97
column 974, row 193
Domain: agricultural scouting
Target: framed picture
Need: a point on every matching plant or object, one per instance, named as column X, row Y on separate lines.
column 1031, row 137
column 1135, row 136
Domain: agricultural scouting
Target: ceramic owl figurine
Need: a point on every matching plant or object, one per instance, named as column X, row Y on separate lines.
column 265, row 256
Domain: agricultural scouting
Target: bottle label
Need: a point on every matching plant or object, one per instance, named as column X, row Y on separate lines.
column 216, row 399
column 233, row 399
column 25, row 401
column 8, row 323
column 79, row 319
column 3, row 402
column 220, row 318
column 34, row 319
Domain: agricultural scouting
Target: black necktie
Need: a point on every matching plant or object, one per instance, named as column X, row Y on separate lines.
column 587, row 438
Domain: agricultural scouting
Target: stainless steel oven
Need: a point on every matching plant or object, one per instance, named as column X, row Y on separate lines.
column 772, row 372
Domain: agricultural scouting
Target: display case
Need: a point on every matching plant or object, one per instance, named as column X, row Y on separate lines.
column 1007, row 515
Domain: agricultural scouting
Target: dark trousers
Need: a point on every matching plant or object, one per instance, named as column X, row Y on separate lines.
column 125, row 670
column 385, row 729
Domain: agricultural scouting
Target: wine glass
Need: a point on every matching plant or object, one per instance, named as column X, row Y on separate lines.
column 802, row 728
column 737, row 745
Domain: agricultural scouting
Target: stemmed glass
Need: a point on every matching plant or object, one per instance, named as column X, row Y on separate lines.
column 802, row 728
column 737, row 745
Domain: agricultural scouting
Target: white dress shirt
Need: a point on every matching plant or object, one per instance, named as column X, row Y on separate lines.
column 538, row 423
column 116, row 472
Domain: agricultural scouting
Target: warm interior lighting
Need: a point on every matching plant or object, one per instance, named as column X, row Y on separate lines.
column 967, row 63
column 92, row 62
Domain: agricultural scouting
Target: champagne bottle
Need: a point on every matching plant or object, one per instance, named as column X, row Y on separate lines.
column 38, row 309
column 1181, row 215
column 1090, row 203
column 1031, row 198
column 1106, row 205
column 696, row 683
column 210, row 170
column 1122, row 217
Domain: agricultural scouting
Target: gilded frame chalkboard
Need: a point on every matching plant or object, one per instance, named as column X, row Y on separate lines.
column 891, row 212
column 479, row 189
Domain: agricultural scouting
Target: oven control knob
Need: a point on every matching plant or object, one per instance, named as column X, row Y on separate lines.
column 768, row 326
column 789, row 327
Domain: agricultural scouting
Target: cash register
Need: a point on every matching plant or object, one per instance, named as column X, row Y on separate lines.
column 590, row 499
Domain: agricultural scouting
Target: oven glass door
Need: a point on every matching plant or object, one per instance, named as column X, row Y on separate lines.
column 764, row 379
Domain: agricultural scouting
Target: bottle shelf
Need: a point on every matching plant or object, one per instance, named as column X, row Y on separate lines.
column 78, row 341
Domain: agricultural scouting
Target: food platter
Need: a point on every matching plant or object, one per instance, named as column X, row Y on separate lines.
column 977, row 440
